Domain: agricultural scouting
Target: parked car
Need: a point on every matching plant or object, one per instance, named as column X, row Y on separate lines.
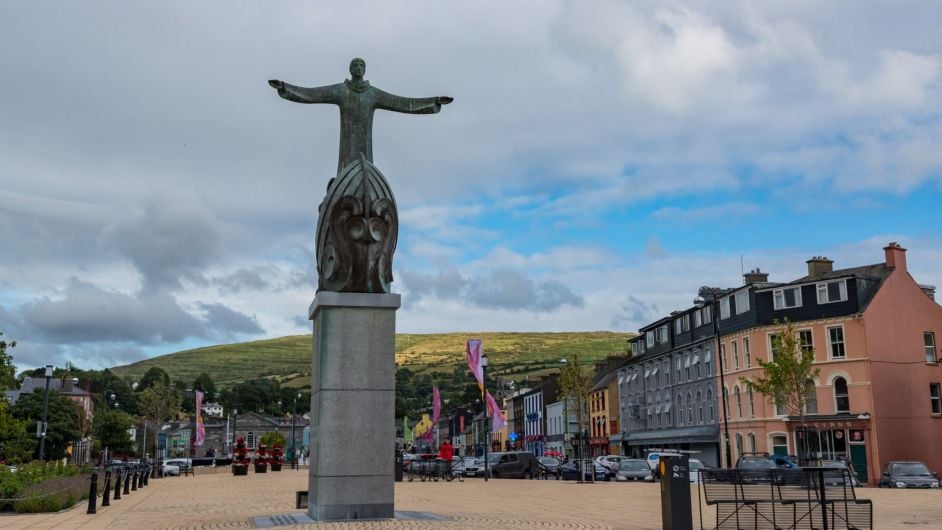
column 836, row 475
column 459, row 465
column 570, row 471
column 170, row 469
column 654, row 459
column 633, row 469
column 182, row 463
column 513, row 464
column 785, row 461
column 550, row 464
column 695, row 466
column 475, row 468
column 907, row 474
column 756, row 462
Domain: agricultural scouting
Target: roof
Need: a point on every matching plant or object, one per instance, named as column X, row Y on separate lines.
column 877, row 273
column 31, row 384
column 605, row 380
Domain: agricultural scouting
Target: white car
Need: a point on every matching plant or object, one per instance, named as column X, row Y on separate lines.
column 182, row 463
column 170, row 469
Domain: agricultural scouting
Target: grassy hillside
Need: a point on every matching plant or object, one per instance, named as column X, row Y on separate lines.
column 289, row 358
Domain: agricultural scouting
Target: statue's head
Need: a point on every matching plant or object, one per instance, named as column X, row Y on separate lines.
column 357, row 67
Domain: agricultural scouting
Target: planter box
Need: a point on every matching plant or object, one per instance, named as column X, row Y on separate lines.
column 238, row 469
column 261, row 468
column 276, row 467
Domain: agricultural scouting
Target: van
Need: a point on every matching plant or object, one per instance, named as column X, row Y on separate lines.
column 654, row 458
column 513, row 464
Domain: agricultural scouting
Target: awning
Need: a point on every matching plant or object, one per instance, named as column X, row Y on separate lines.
column 686, row 362
column 654, row 371
column 616, row 438
column 667, row 407
column 647, row 372
column 698, row 434
column 696, row 358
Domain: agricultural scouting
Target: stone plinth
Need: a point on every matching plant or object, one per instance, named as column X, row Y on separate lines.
column 353, row 385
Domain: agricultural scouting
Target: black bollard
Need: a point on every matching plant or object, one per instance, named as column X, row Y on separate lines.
column 146, row 473
column 134, row 479
column 127, row 481
column 106, row 491
column 117, row 485
column 93, row 493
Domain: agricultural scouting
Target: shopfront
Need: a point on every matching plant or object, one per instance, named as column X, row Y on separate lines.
column 835, row 438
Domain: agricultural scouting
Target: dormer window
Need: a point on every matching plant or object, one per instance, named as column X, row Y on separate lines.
column 724, row 308
column 830, row 292
column 787, row 298
column 742, row 302
column 682, row 325
column 662, row 334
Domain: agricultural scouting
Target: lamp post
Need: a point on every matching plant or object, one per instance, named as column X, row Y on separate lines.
column 700, row 302
column 487, row 418
column 235, row 420
column 294, row 415
column 111, row 401
column 42, row 434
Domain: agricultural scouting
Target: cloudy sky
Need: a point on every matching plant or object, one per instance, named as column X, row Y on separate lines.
column 600, row 162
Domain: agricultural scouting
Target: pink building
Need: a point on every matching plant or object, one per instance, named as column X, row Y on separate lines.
column 875, row 333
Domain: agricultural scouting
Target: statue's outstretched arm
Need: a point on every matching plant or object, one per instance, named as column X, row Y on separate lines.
column 396, row 103
column 320, row 94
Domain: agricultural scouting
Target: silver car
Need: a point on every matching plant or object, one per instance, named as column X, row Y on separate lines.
column 633, row 469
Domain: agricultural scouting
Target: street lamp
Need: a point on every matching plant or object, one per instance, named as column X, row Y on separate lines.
column 294, row 415
column 45, row 425
column 487, row 418
column 700, row 303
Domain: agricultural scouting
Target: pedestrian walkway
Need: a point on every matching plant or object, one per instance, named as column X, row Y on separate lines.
column 219, row 500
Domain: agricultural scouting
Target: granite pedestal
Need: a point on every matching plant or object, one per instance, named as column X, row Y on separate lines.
column 353, row 386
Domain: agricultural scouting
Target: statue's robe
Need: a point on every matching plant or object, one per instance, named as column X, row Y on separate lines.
column 357, row 102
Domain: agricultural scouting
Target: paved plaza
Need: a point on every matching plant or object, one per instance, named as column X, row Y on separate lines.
column 219, row 500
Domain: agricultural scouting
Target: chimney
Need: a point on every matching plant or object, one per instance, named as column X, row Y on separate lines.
column 755, row 276
column 895, row 256
column 819, row 265
column 929, row 290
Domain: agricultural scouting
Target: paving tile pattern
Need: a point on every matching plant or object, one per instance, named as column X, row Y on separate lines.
column 219, row 500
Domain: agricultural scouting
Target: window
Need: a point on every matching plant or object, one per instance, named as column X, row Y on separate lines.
column 250, row 440
column 841, row 396
column 723, row 363
column 710, row 404
column 775, row 345
column 836, row 342
column 726, row 401
column 745, row 351
column 742, row 302
column 935, row 398
column 811, row 398
column 929, row 339
column 752, row 404
column 637, row 347
column 687, row 366
column 649, row 339
column 708, row 361
column 707, row 314
column 662, row 334
column 677, row 330
column 781, row 409
column 682, row 325
column 735, row 355
column 832, row 292
column 786, row 298
column 677, row 365
column 739, row 450
column 752, row 442
column 738, row 402
column 806, row 342
column 697, row 319
column 780, row 444
column 699, row 407
column 724, row 308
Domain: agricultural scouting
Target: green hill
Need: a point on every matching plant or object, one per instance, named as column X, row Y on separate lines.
column 288, row 359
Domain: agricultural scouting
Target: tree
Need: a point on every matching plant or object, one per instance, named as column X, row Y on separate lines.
column 16, row 443
column 204, row 383
column 574, row 391
column 110, row 428
column 63, row 419
column 152, row 377
column 160, row 402
column 273, row 438
column 788, row 379
column 7, row 369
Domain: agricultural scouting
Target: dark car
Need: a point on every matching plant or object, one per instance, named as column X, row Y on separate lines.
column 570, row 471
column 549, row 464
column 513, row 464
column 756, row 463
column 633, row 469
column 911, row 474
column 838, row 473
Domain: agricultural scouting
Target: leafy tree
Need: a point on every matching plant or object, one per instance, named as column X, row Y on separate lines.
column 272, row 438
column 63, row 419
column 16, row 443
column 110, row 428
column 152, row 377
column 574, row 386
column 788, row 380
column 7, row 369
column 160, row 402
column 205, row 384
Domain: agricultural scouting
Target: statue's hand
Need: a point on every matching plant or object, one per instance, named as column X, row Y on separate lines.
column 443, row 100
column 276, row 84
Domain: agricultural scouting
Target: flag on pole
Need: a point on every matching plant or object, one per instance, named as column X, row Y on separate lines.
column 406, row 431
column 493, row 410
column 200, row 428
column 474, row 361
column 436, row 405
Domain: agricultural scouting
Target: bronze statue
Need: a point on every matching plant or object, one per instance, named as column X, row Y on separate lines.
column 357, row 225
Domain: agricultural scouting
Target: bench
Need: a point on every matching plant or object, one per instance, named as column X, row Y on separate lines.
column 783, row 499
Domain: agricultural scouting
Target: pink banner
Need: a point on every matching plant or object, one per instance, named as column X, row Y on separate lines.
column 497, row 417
column 200, row 428
column 474, row 361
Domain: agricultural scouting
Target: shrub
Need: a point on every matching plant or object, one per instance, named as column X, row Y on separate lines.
column 52, row 495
